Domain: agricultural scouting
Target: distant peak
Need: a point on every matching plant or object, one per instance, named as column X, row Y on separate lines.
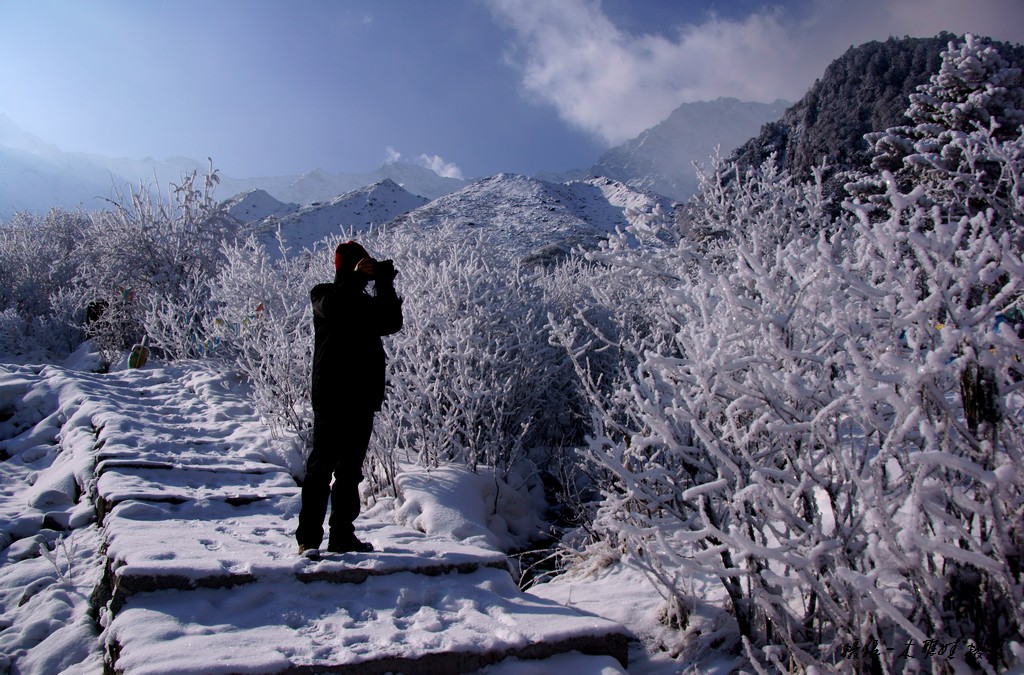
column 315, row 173
column 508, row 176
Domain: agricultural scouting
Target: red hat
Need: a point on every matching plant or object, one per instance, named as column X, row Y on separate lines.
column 347, row 255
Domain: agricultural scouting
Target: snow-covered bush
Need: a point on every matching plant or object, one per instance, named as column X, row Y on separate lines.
column 38, row 258
column 144, row 260
column 260, row 320
column 824, row 416
column 709, row 429
column 472, row 376
column 942, row 408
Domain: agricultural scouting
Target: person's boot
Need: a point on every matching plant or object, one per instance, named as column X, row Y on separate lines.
column 349, row 544
column 310, row 552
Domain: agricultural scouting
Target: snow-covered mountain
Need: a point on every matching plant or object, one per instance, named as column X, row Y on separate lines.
column 37, row 176
column 529, row 218
column 255, row 205
column 354, row 211
column 31, row 183
column 320, row 186
column 661, row 158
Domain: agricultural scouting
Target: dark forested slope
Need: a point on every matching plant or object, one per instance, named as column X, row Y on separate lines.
column 864, row 90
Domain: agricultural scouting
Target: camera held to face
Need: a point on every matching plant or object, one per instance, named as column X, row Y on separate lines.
column 377, row 270
column 384, row 270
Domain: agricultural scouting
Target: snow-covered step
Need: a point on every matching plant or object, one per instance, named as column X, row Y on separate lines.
column 131, row 463
column 210, row 452
column 122, row 480
column 399, row 623
column 223, row 543
column 198, row 508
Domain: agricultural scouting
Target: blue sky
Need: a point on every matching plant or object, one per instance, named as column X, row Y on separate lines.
column 469, row 87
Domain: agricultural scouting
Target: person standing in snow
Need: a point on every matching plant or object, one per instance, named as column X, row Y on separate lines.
column 348, row 389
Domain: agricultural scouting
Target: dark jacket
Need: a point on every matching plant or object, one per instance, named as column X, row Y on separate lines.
column 348, row 356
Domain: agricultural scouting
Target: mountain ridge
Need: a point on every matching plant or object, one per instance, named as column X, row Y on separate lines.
column 661, row 159
column 302, row 227
column 36, row 176
column 530, row 219
column 319, row 185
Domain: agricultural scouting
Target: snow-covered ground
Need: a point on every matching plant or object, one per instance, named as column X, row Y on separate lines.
column 146, row 516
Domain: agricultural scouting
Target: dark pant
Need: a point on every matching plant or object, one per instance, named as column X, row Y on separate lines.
column 340, row 437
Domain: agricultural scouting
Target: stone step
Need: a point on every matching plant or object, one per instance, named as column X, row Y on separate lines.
column 399, row 623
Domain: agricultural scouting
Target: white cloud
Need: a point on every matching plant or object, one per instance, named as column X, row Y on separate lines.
column 614, row 84
column 440, row 166
column 435, row 163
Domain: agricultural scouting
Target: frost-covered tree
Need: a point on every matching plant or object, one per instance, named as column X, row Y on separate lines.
column 975, row 98
column 974, row 90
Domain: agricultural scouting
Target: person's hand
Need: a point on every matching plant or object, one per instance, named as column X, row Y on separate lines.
column 367, row 266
